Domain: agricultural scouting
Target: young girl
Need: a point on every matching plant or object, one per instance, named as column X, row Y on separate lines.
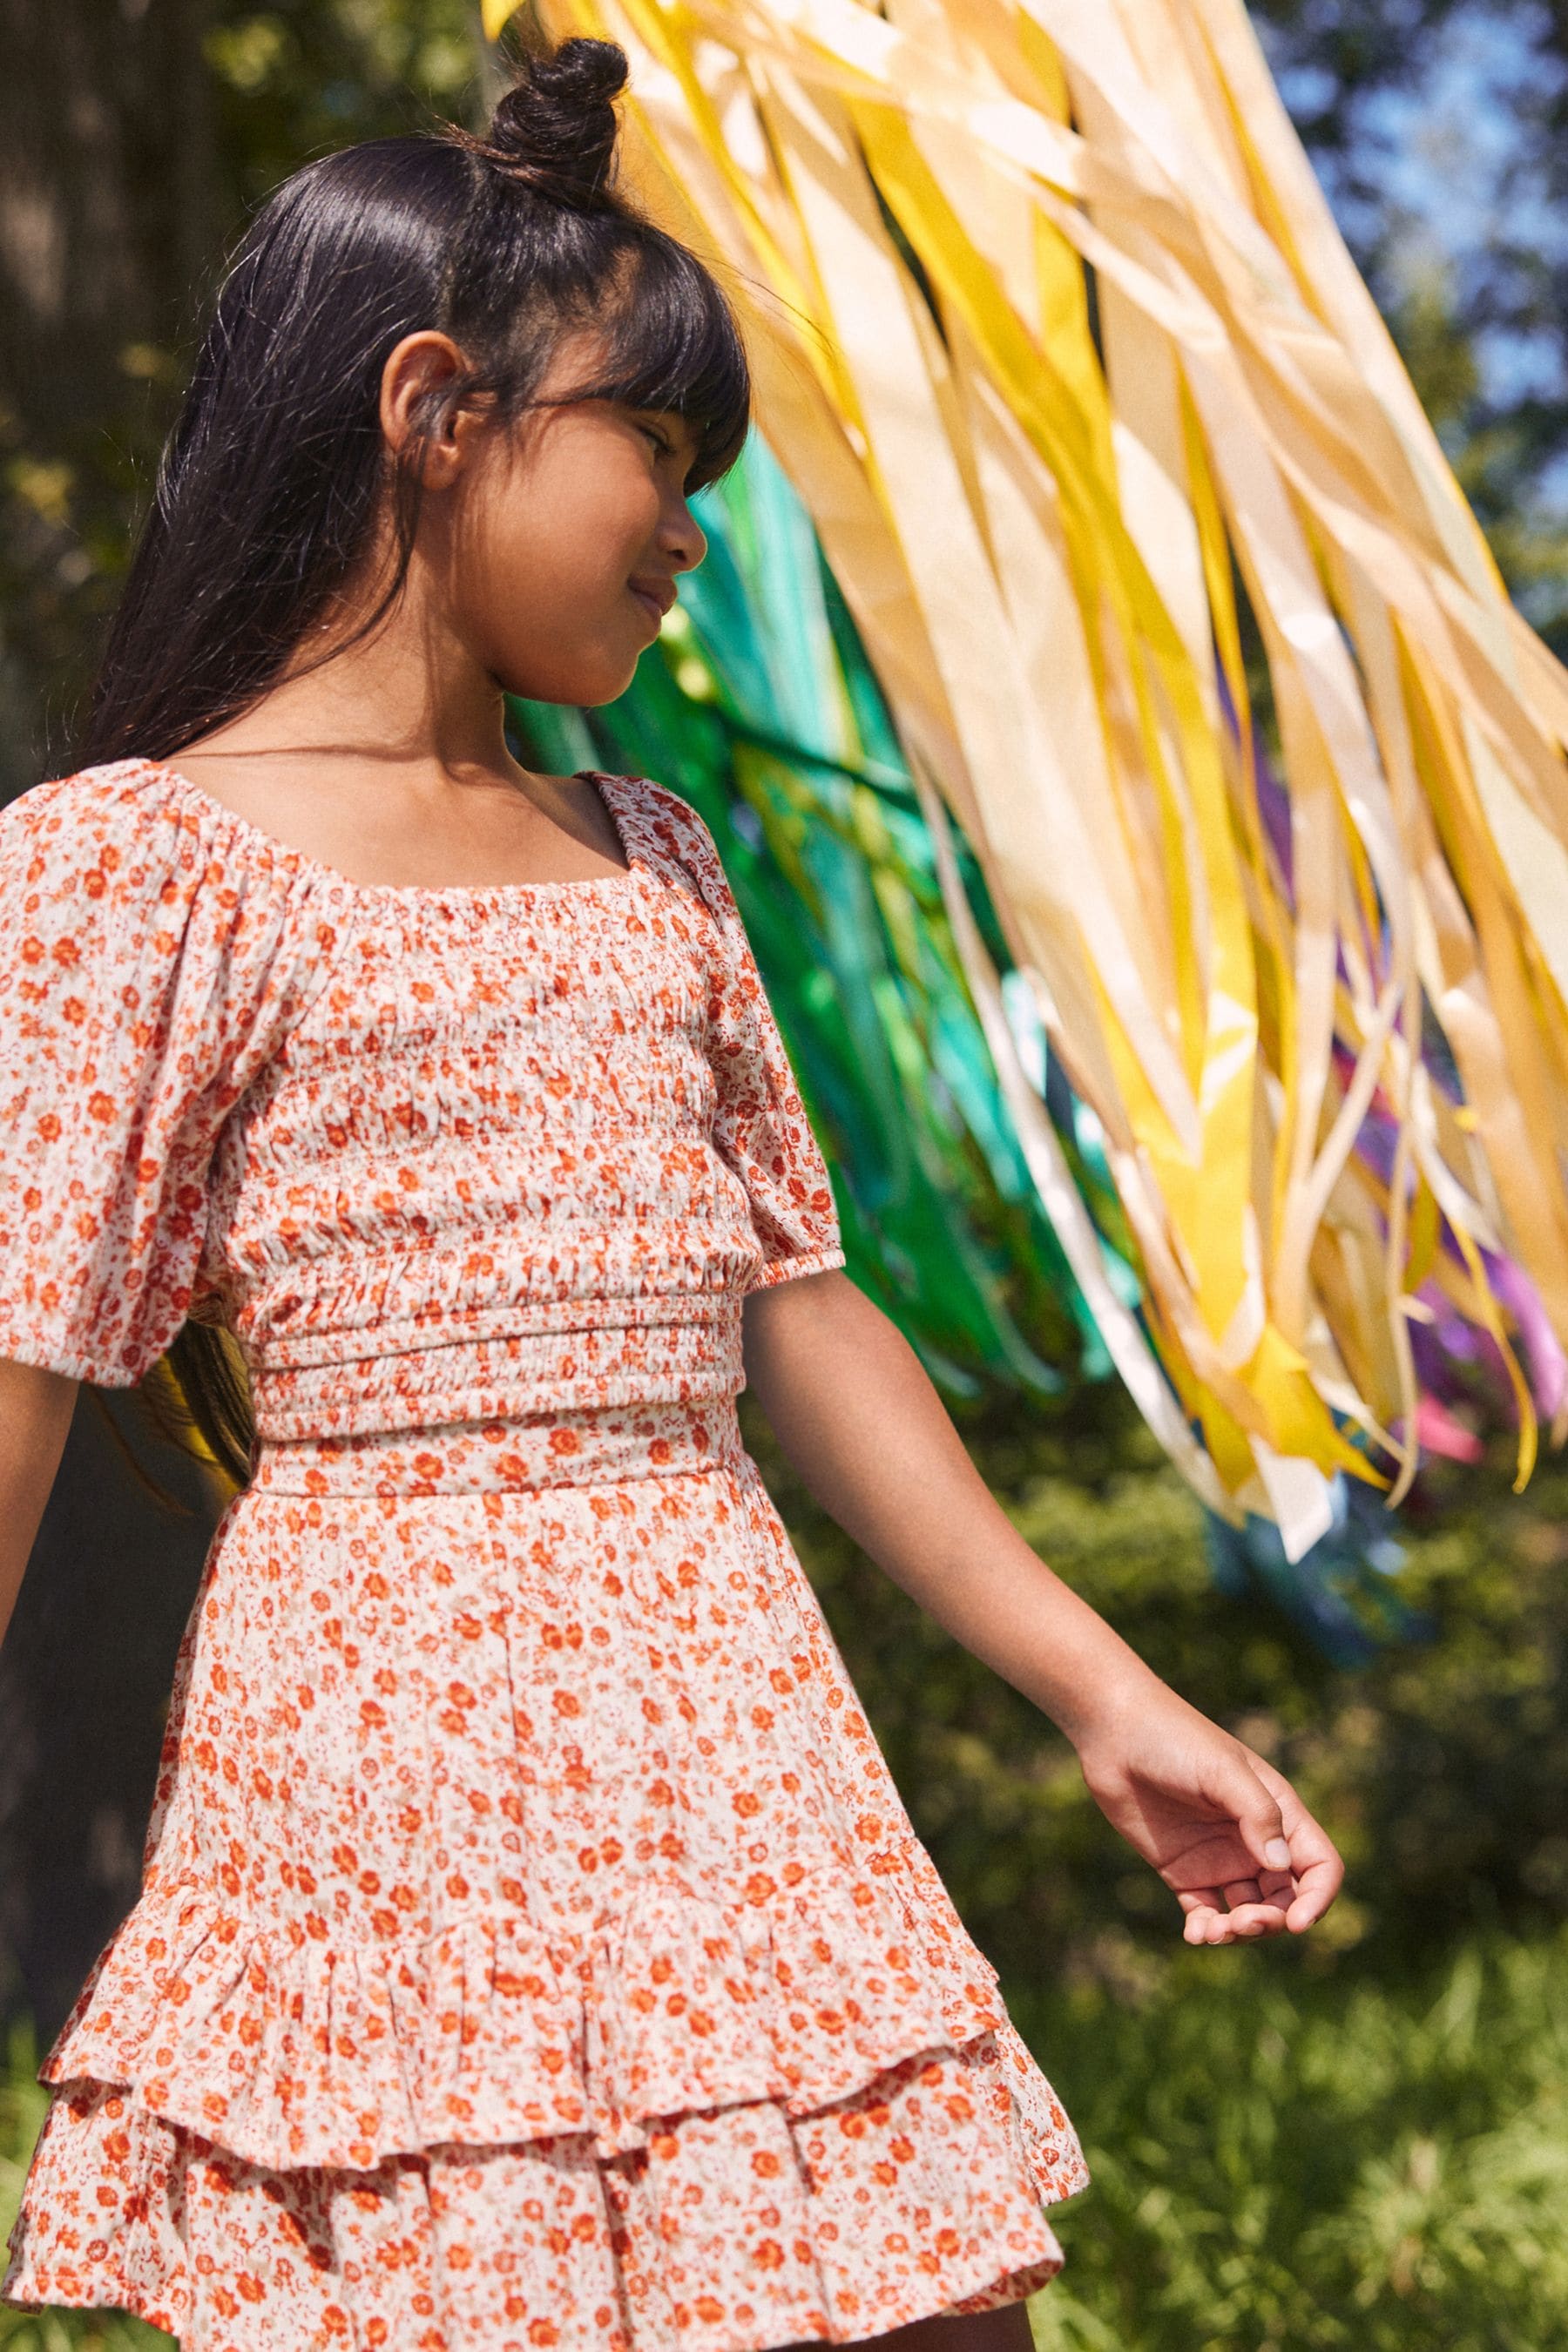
column 532, row 1950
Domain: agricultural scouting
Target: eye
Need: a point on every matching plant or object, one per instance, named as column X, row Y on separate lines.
column 666, row 448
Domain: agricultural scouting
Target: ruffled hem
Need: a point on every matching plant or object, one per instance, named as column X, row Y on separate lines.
column 925, row 2191
column 289, row 2048
column 106, row 2290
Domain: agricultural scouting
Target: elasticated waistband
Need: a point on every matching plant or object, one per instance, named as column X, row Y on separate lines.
column 638, row 1364
column 589, row 1447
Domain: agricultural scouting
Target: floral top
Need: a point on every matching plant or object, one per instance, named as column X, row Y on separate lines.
column 232, row 1086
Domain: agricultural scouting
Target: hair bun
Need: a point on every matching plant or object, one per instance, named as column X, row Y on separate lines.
column 556, row 131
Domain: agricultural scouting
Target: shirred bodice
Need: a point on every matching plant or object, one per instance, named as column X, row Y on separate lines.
column 403, row 1140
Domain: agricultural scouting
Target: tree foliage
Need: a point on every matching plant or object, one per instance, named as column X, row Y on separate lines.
column 1440, row 130
column 136, row 138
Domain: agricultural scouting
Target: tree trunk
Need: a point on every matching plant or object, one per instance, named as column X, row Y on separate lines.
column 108, row 220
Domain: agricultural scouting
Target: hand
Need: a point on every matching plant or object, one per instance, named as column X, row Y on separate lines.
column 1226, row 1832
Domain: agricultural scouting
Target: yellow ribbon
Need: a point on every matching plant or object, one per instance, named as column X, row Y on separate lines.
column 1155, row 422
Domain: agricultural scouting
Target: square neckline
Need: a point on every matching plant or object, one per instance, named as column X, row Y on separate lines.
column 285, row 853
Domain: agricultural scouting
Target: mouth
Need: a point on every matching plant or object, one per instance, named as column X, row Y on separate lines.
column 653, row 602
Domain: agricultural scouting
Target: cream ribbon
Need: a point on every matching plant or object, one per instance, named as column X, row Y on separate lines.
column 1152, row 420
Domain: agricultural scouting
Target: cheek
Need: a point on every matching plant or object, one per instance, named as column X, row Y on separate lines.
column 575, row 529
column 544, row 602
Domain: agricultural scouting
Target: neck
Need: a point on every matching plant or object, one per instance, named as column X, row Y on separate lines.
column 409, row 693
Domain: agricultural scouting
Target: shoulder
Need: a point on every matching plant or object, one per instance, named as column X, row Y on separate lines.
column 121, row 885
column 132, row 835
column 102, row 800
column 103, row 826
column 682, row 833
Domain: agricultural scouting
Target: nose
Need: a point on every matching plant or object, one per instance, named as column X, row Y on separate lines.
column 685, row 540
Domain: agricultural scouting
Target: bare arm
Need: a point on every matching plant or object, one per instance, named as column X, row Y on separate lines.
column 35, row 1410
column 858, row 1419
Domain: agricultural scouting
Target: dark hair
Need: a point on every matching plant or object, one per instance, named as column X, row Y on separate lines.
column 277, row 477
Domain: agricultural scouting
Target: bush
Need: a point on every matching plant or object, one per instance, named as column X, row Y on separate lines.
column 1359, row 2138
column 1286, row 2165
column 1281, row 2165
column 1355, row 2139
column 1440, row 1768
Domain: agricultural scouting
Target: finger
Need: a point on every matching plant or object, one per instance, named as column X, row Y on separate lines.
column 1215, row 1917
column 1247, row 1920
column 1317, row 1884
column 1254, row 1808
column 1315, row 1863
column 1204, row 1907
column 1256, row 1909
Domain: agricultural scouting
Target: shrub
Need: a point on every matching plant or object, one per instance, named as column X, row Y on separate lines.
column 1440, row 1768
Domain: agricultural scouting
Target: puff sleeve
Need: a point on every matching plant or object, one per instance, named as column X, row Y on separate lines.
column 761, row 1128
column 139, row 992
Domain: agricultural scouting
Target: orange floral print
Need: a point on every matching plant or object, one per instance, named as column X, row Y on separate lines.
column 532, row 1948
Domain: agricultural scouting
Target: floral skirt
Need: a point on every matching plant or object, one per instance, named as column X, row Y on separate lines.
column 532, row 1947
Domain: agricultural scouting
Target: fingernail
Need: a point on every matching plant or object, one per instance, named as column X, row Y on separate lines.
column 1277, row 1854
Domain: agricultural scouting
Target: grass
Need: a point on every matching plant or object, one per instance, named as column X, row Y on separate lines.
column 1288, row 2165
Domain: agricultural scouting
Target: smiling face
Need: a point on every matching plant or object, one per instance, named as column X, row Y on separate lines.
column 537, row 534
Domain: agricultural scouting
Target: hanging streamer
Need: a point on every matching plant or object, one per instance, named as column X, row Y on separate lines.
column 1057, row 340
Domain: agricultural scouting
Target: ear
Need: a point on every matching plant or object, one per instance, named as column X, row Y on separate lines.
column 416, row 370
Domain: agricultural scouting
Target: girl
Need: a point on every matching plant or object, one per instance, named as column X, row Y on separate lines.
column 532, row 1950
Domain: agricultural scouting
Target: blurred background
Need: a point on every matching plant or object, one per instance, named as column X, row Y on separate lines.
column 1361, row 2140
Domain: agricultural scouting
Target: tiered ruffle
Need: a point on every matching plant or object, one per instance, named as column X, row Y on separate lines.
column 731, row 2230
column 702, row 2127
column 289, row 2048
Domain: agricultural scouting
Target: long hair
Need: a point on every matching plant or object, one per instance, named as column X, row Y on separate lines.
column 276, row 477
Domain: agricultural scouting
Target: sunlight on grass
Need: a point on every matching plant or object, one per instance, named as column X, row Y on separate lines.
column 1281, row 2164
column 1294, row 2168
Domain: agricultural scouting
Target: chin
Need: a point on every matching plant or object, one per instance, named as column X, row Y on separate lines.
column 611, row 690
column 584, row 689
